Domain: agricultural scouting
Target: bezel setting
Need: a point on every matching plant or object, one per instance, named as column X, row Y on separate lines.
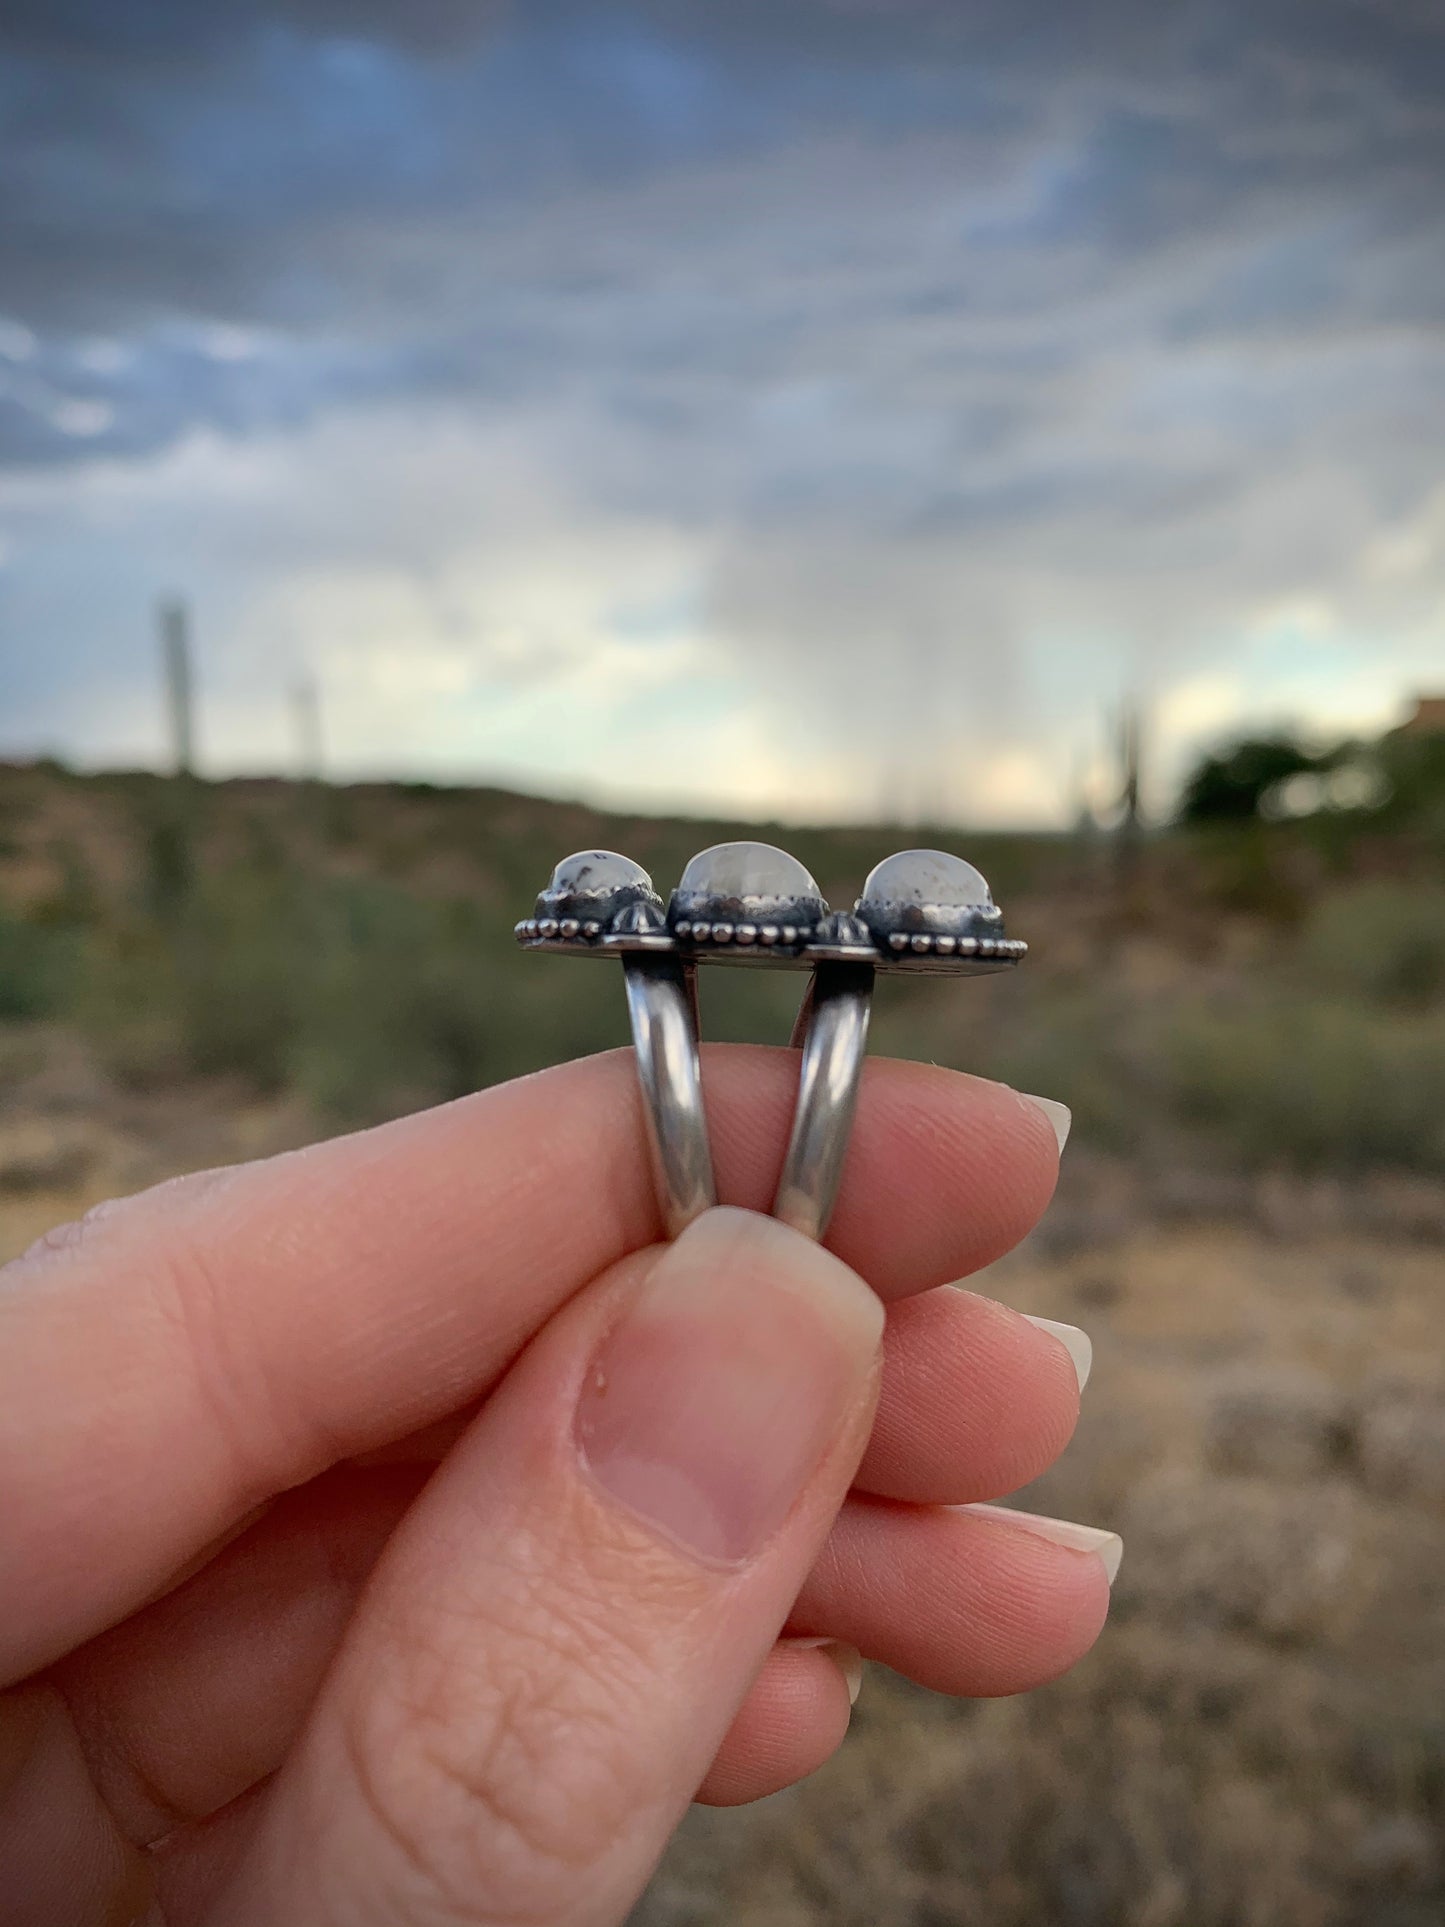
column 745, row 897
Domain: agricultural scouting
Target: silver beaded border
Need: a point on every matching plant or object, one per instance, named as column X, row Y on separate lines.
column 923, row 943
column 706, row 940
column 768, row 936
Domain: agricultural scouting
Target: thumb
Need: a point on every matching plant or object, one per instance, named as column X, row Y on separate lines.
column 559, row 1636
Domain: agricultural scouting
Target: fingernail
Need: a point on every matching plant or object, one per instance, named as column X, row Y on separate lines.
column 1062, row 1532
column 847, row 1659
column 1076, row 1343
column 711, row 1404
column 1061, row 1118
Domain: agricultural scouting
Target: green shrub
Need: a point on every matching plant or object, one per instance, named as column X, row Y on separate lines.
column 1382, row 941
column 1310, row 1083
column 362, row 996
column 37, row 967
column 1265, row 1074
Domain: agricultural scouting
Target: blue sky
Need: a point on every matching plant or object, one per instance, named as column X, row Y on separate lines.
column 813, row 408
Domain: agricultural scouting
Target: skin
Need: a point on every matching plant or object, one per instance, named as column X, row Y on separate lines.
column 311, row 1607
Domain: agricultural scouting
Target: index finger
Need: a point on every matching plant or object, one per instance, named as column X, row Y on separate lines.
column 184, row 1355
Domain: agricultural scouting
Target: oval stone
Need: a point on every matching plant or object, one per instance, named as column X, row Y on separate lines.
column 927, row 891
column 748, row 884
column 593, row 885
column 746, row 870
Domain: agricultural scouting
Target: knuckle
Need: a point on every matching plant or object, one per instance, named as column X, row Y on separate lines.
column 191, row 1320
column 65, row 1237
column 92, row 1234
column 226, row 1373
column 495, row 1758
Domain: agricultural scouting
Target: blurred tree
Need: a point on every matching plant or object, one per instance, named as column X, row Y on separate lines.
column 1412, row 764
column 1232, row 785
column 173, row 831
column 1129, row 833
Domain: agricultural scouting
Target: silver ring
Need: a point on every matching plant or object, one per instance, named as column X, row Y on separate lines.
column 920, row 912
column 664, row 1036
column 832, row 1032
column 602, row 904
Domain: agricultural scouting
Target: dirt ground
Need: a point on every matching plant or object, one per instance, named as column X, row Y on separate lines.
column 1259, row 1739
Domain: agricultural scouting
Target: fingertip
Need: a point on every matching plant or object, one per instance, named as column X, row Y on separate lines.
column 977, row 1399
column 963, row 1162
column 1050, row 1589
column 958, row 1598
column 849, row 1662
column 1059, row 1117
column 1106, row 1546
column 1076, row 1343
column 846, row 1658
column 792, row 1722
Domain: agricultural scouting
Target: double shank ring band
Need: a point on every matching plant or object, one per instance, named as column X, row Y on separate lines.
column 921, row 912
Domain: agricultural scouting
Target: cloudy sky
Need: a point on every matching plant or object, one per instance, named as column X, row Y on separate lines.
column 810, row 406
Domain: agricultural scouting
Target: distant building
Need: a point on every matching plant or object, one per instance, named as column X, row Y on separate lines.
column 1428, row 719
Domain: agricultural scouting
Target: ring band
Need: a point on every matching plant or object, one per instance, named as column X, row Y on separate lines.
column 832, row 1028
column 663, row 1010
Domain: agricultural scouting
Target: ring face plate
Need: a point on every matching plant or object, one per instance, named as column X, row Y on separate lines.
column 922, row 913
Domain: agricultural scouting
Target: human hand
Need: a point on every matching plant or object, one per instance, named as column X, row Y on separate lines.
column 392, row 1532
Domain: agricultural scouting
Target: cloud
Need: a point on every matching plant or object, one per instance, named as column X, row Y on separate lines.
column 932, row 375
